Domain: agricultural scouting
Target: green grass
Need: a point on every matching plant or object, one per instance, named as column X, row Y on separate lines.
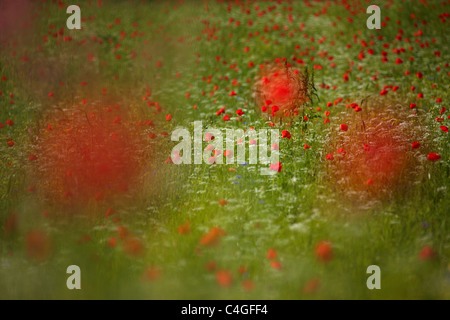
column 291, row 211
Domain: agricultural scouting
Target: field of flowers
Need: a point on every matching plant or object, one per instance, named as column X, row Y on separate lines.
column 88, row 175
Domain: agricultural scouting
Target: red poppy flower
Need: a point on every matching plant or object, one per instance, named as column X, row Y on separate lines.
column 152, row 274
column 341, row 150
column 117, row 120
column 427, row 253
column 242, row 270
column 434, row 156
column 211, row 266
column 276, row 265
column 274, row 109
column 133, row 247
column 122, row 232
column 109, row 212
column 112, row 242
column 324, row 251
column 212, row 237
column 271, row 254
column 286, row 134
column 283, row 86
column 276, row 167
column 38, row 245
column 248, row 285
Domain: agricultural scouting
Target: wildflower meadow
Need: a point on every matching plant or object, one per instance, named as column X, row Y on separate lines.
column 219, row 149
